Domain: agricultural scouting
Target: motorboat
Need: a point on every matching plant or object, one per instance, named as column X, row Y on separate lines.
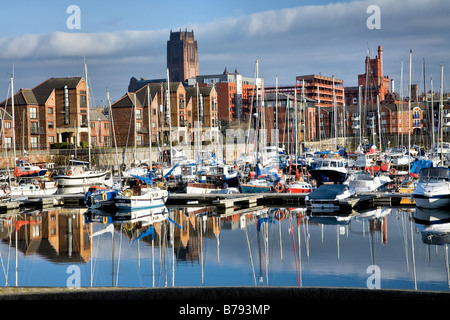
column 299, row 187
column 331, row 168
column 433, row 188
column 98, row 197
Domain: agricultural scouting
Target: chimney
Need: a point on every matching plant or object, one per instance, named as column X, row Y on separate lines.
column 380, row 56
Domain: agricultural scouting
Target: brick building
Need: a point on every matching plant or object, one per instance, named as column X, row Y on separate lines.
column 373, row 82
column 235, row 93
column 53, row 111
column 177, row 119
column 182, row 56
column 203, row 103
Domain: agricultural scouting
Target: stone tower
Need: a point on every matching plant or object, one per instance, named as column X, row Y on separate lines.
column 182, row 56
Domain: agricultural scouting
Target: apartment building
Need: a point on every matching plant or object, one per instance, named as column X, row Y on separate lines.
column 55, row 111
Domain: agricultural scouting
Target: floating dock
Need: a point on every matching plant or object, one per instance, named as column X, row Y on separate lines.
column 225, row 203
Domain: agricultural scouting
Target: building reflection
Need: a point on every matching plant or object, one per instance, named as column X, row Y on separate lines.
column 58, row 235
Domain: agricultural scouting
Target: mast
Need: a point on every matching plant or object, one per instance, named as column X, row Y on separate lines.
column 401, row 101
column 335, row 117
column 441, row 110
column 88, row 111
column 113, row 130
column 276, row 114
column 432, row 114
column 318, row 112
column 135, row 131
column 359, row 114
column 409, row 111
column 13, row 118
column 149, row 126
column 304, row 115
column 379, row 123
column 168, row 116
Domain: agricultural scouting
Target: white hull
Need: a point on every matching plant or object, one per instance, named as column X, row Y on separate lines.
column 151, row 198
column 433, row 189
column 432, row 202
column 82, row 179
column 28, row 190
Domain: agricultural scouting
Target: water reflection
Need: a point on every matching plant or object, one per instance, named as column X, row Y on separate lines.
column 196, row 246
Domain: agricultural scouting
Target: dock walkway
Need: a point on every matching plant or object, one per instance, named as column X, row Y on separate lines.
column 225, row 203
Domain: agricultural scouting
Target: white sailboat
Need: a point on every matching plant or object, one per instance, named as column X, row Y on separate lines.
column 78, row 173
column 142, row 197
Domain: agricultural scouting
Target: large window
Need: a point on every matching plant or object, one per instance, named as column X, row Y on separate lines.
column 34, row 142
column 33, row 113
column 8, row 142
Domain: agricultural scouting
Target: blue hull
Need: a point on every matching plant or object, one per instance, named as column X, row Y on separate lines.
column 245, row 188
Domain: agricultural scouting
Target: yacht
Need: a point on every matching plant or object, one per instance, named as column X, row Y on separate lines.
column 433, row 188
column 331, row 168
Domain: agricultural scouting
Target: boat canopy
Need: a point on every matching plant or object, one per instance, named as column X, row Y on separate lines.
column 434, row 174
column 327, row 191
column 418, row 165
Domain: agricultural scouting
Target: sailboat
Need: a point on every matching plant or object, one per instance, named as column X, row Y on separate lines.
column 79, row 173
column 142, row 196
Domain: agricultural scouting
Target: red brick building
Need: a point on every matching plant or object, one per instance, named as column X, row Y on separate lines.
column 373, row 82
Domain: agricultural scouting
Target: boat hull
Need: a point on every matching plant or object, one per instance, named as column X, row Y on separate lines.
column 324, row 176
column 89, row 178
column 147, row 200
column 248, row 188
column 432, row 202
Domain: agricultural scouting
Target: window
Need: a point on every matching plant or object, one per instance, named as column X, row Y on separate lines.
column 105, row 125
column 51, row 139
column 34, row 142
column 139, row 140
column 138, row 113
column 7, row 125
column 51, row 124
column 83, row 99
column 50, row 110
column 8, row 142
column 83, row 120
column 33, row 113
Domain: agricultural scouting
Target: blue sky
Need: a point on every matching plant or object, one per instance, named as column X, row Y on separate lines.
column 124, row 39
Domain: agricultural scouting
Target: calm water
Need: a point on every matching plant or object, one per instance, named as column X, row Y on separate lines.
column 198, row 247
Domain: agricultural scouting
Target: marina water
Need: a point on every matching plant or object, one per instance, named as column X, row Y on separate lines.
column 383, row 247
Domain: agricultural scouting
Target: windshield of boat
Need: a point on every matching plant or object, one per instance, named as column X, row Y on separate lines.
column 434, row 174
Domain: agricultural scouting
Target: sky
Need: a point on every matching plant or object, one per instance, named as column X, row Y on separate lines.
column 121, row 39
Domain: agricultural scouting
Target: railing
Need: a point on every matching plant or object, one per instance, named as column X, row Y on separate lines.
column 38, row 130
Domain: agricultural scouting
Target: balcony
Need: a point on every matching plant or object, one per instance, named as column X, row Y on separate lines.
column 142, row 130
column 37, row 130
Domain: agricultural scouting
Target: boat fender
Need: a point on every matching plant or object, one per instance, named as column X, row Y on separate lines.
column 104, row 196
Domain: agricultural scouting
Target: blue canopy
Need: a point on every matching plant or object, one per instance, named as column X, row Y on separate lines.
column 147, row 180
column 418, row 165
